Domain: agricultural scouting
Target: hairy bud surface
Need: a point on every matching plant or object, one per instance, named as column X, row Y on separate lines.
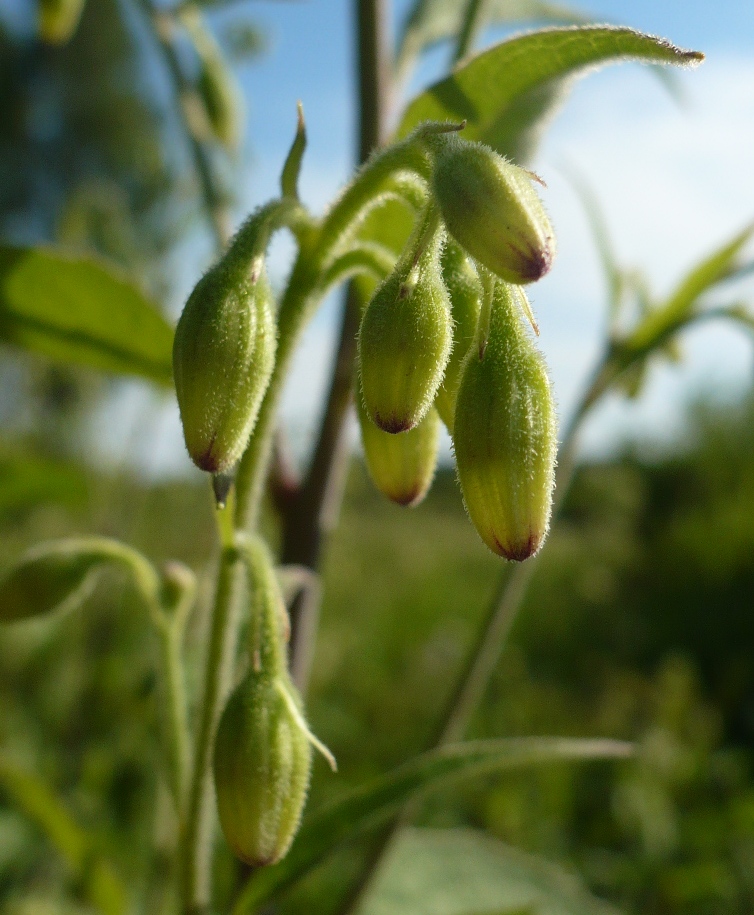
column 490, row 207
column 505, row 434
column 223, row 356
column 405, row 341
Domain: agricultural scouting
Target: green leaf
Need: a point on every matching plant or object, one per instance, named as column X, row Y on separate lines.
column 101, row 885
column 722, row 264
column 372, row 804
column 506, row 93
column 59, row 576
column 432, row 21
column 465, row 872
column 76, row 310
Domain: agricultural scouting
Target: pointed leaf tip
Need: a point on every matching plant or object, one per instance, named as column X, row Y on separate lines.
column 507, row 92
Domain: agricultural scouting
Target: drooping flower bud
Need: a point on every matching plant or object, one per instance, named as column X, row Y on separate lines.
column 262, row 765
column 465, row 293
column 505, row 433
column 263, row 745
column 401, row 466
column 490, row 207
column 223, row 356
column 405, row 338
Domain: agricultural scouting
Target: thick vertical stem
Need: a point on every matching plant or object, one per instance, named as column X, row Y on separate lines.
column 313, row 511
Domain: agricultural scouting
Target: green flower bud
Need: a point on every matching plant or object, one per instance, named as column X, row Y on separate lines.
column 405, row 340
column 262, row 764
column 505, row 434
column 401, row 466
column 222, row 101
column 492, row 210
column 223, row 356
column 465, row 293
column 58, row 19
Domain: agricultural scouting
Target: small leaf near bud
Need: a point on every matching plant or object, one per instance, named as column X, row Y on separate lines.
column 505, row 434
column 405, row 341
column 261, row 766
column 223, row 356
column 490, row 207
column 401, row 466
column 465, row 291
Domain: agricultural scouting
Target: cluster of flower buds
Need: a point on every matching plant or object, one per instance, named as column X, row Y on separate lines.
column 263, row 747
column 444, row 335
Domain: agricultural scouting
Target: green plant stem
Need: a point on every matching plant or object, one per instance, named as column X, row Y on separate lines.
column 196, row 844
column 171, row 645
column 304, row 290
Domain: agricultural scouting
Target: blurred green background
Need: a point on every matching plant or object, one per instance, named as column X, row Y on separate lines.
column 638, row 625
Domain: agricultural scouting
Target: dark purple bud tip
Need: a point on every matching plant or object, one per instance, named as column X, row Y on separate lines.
column 520, row 550
column 393, row 424
column 533, row 262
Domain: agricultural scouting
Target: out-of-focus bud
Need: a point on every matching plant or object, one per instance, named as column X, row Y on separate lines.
column 58, row 19
column 262, row 764
column 223, row 356
column 492, row 210
column 217, row 85
column 405, row 340
column 401, row 466
column 465, row 293
column 505, row 434
column 222, row 101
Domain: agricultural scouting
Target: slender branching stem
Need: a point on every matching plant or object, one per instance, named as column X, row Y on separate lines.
column 196, row 839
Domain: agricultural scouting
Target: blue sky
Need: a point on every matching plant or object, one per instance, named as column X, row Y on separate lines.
column 674, row 181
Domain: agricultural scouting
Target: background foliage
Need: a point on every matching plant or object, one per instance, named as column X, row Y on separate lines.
column 637, row 625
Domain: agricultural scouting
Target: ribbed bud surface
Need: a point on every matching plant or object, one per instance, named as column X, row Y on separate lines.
column 490, row 207
column 223, row 356
column 505, row 435
column 401, row 466
column 404, row 344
